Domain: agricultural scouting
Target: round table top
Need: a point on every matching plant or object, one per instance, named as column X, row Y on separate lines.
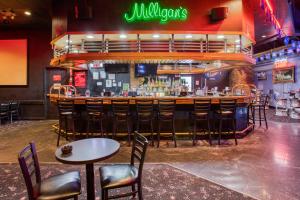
column 88, row 151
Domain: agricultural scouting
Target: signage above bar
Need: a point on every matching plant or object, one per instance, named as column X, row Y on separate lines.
column 141, row 12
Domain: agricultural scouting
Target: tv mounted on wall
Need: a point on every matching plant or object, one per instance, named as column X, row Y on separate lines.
column 145, row 70
column 116, row 68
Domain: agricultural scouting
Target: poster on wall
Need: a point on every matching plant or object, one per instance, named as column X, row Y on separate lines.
column 261, row 75
column 284, row 75
column 80, row 79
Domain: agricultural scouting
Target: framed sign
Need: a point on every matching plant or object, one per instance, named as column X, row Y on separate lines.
column 261, row 75
column 284, row 75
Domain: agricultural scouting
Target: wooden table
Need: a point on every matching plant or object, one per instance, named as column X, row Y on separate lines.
column 89, row 151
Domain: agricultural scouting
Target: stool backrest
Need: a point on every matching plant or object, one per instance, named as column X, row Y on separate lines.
column 120, row 106
column 30, row 168
column 4, row 107
column 202, row 105
column 264, row 99
column 14, row 106
column 144, row 106
column 166, row 105
column 228, row 105
column 94, row 105
column 65, row 106
column 138, row 153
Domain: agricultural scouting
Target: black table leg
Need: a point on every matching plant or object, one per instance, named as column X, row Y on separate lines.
column 90, row 187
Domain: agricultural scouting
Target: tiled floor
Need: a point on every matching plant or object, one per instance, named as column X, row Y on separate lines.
column 265, row 164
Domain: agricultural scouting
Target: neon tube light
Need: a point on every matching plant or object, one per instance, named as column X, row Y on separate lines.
column 153, row 11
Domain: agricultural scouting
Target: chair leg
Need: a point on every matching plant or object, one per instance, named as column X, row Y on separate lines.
column 158, row 133
column 59, row 132
column 101, row 127
column 151, row 126
column 220, row 131
column 114, row 129
column 140, row 192
column 234, row 131
column 194, row 132
column 76, row 198
column 133, row 190
column 88, row 128
column 209, row 135
column 259, row 114
column 174, row 134
column 73, row 129
column 265, row 117
column 129, row 133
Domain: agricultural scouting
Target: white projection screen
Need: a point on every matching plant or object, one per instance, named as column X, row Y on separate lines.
column 13, row 62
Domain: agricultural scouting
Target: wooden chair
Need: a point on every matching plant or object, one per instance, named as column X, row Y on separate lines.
column 13, row 110
column 125, row 175
column 62, row 186
column 95, row 114
column 4, row 112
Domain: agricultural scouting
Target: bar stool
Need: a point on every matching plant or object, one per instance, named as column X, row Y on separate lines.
column 145, row 115
column 13, row 110
column 261, row 106
column 201, row 114
column 95, row 114
column 66, row 113
column 227, row 113
column 4, row 112
column 121, row 114
column 166, row 114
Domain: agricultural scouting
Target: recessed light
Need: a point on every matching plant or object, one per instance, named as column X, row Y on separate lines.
column 220, row 36
column 263, row 36
column 68, row 41
column 188, row 36
column 237, row 41
column 123, row 36
column 90, row 36
column 156, row 36
column 28, row 13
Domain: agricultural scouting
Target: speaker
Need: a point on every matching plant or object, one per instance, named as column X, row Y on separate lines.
column 218, row 14
column 84, row 9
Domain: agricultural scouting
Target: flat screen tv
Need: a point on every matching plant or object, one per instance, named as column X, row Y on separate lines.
column 145, row 70
column 116, row 68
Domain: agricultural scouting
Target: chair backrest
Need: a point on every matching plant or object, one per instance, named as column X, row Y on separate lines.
column 166, row 105
column 138, row 153
column 14, row 106
column 144, row 106
column 4, row 107
column 228, row 105
column 202, row 105
column 120, row 106
column 65, row 105
column 30, row 168
column 94, row 105
column 264, row 99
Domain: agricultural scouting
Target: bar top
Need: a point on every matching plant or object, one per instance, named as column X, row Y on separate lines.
column 179, row 100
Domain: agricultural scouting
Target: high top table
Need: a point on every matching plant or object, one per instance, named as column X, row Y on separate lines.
column 89, row 151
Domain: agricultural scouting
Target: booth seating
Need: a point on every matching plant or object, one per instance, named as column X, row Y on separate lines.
column 61, row 186
column 166, row 114
column 201, row 115
column 66, row 114
column 121, row 114
column 226, row 113
column 125, row 175
column 95, row 115
column 145, row 116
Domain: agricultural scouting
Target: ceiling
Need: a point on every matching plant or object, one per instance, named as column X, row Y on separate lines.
column 40, row 13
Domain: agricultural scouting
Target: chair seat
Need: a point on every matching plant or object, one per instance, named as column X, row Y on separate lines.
column 98, row 114
column 227, row 112
column 60, row 186
column 66, row 113
column 200, row 114
column 145, row 116
column 166, row 115
column 117, row 175
column 3, row 113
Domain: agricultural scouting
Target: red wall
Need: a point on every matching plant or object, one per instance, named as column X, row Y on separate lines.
column 108, row 16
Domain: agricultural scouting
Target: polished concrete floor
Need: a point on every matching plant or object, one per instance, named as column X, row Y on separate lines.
column 265, row 164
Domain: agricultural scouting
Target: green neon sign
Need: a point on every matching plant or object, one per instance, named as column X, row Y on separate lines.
column 153, row 12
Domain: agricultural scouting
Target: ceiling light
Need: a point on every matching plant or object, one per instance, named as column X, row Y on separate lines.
column 188, row 36
column 237, row 41
column 263, row 36
column 90, row 36
column 220, row 36
column 156, row 36
column 28, row 13
column 123, row 36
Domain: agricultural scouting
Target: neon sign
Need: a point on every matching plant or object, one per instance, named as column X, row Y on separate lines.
column 153, row 12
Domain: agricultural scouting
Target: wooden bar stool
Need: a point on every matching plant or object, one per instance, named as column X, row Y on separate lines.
column 66, row 113
column 14, row 110
column 145, row 115
column 201, row 114
column 227, row 112
column 260, row 105
column 95, row 115
column 166, row 114
column 4, row 112
column 121, row 114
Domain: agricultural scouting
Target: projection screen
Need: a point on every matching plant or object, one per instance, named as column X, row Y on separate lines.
column 13, row 62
